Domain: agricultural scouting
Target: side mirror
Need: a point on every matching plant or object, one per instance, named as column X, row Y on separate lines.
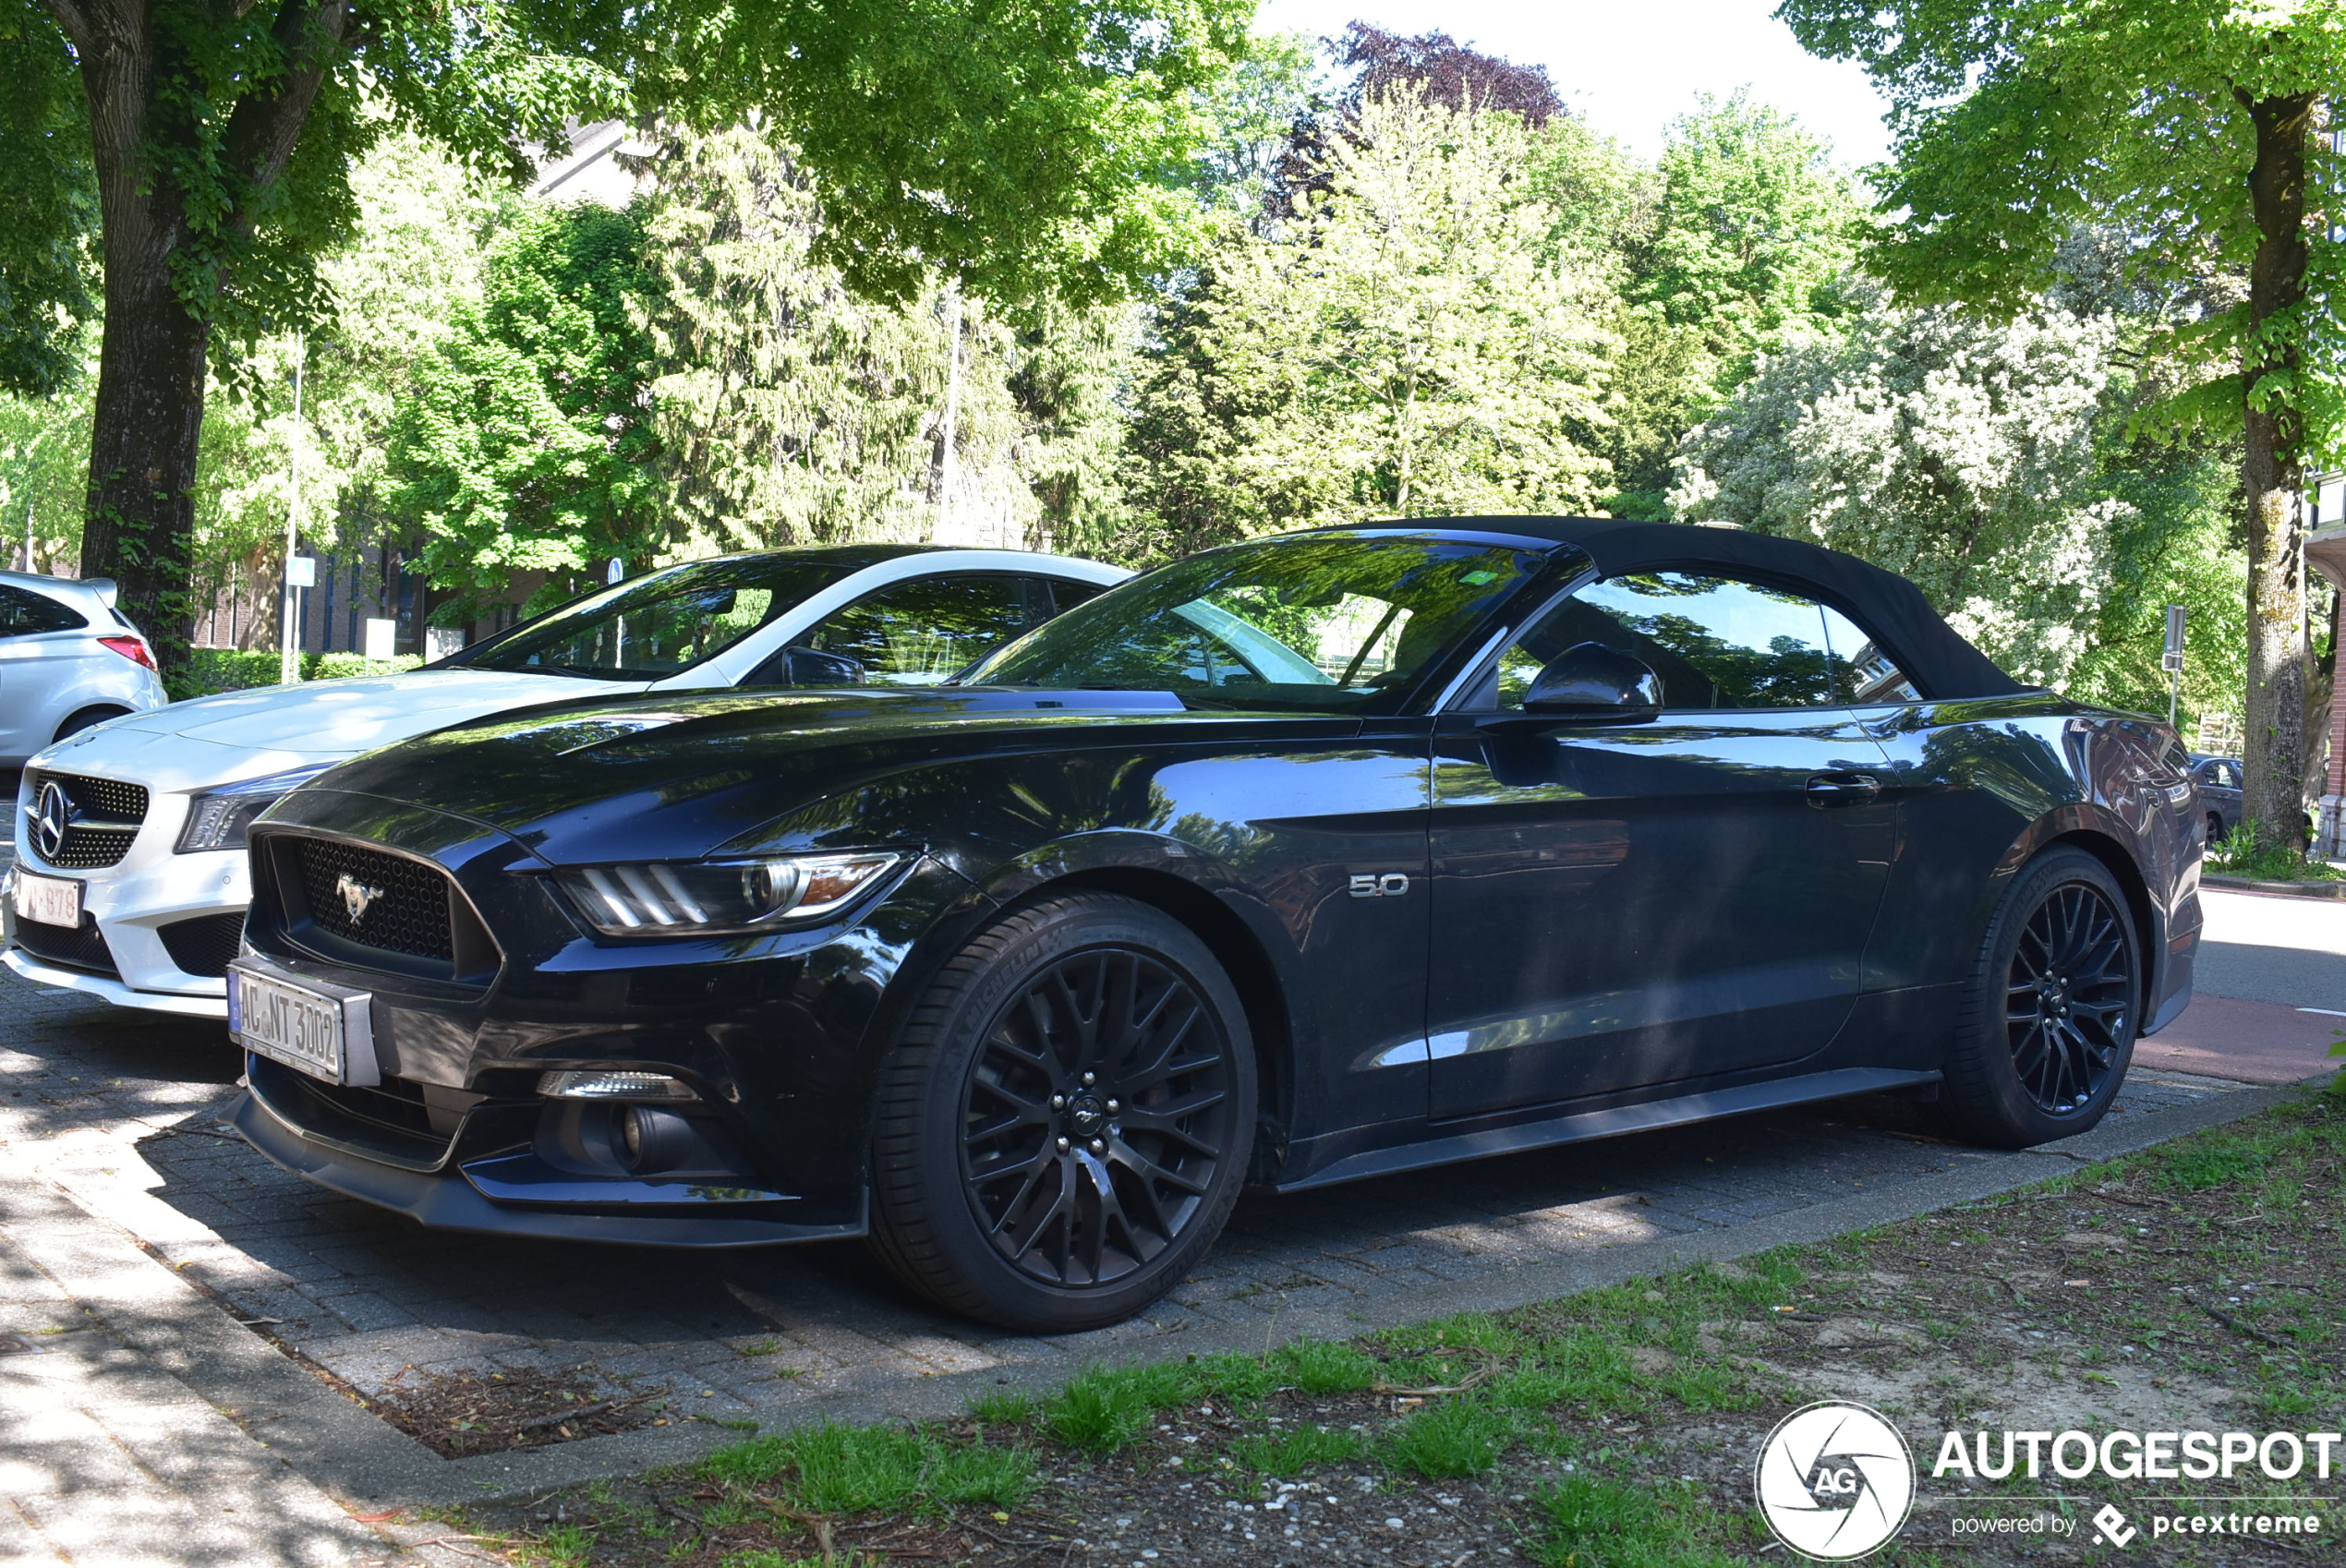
column 1595, row 684
column 811, row 667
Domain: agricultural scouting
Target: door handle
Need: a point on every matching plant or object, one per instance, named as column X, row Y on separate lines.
column 1842, row 789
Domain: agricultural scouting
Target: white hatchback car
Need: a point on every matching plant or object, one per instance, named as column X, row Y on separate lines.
column 130, row 880
column 67, row 661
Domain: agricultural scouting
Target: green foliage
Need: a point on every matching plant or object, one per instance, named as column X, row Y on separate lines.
column 1960, row 452
column 1461, row 1435
column 2267, row 857
column 839, row 1469
column 998, row 1410
column 1753, row 234
column 1409, row 343
column 1108, row 1408
column 235, row 669
column 789, row 409
column 2004, row 117
column 44, row 471
column 1297, row 1449
column 523, row 445
column 48, row 263
column 1594, row 1522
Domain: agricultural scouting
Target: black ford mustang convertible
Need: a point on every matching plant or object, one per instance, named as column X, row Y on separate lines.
column 1300, row 861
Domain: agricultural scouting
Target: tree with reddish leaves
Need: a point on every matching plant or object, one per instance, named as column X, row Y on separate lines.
column 1451, row 74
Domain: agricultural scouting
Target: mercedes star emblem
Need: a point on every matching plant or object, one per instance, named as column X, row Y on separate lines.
column 356, row 897
column 52, row 813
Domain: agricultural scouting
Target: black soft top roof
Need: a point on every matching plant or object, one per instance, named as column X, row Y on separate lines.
column 1885, row 604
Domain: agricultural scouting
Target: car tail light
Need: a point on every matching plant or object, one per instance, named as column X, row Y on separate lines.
column 132, row 649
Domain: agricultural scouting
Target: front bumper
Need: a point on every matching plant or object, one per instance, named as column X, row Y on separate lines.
column 459, row 1198
column 116, row 991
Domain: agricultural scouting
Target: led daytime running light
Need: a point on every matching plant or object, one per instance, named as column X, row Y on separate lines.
column 706, row 898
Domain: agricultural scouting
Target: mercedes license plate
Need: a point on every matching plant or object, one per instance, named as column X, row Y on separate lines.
column 52, row 901
column 311, row 1027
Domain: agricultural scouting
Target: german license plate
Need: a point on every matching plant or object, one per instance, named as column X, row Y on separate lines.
column 52, row 901
column 320, row 1029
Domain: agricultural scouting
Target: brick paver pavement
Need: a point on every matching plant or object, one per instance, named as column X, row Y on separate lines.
column 123, row 1110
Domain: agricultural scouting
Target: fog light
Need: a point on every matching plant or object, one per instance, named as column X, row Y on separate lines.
column 652, row 1140
column 651, row 1086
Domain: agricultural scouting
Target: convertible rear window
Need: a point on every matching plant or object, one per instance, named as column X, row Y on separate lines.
column 1335, row 624
column 660, row 624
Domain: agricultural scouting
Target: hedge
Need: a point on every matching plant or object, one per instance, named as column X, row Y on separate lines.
column 237, row 669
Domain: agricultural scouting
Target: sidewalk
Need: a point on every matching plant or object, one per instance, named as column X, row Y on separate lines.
column 107, row 1460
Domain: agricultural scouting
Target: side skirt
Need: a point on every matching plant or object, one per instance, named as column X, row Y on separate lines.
column 1580, row 1126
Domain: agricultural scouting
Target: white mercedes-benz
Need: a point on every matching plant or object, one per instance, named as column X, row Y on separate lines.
column 130, row 880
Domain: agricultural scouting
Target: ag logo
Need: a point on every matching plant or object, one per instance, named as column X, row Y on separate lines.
column 1834, row 1480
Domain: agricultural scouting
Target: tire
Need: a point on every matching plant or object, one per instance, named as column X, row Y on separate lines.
column 2214, row 829
column 83, row 719
column 1004, row 1186
column 2046, row 1026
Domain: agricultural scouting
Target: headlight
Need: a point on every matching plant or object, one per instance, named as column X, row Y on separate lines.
column 217, row 818
column 711, row 898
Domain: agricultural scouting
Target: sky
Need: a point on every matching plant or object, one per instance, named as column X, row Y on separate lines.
column 1629, row 67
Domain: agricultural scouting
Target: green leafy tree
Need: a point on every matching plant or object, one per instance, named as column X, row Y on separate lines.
column 1024, row 147
column 1743, row 243
column 790, row 408
column 524, row 445
column 1408, row 343
column 2189, row 124
column 1960, row 451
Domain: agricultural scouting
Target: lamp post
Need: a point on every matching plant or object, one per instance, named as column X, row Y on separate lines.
column 289, row 618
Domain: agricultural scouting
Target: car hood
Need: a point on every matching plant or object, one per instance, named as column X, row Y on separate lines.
column 234, row 735
column 662, row 777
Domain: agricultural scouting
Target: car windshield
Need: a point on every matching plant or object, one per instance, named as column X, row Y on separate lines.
column 662, row 624
column 1337, row 623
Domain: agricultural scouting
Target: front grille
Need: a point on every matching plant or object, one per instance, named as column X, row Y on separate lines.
column 204, row 945
column 83, row 948
column 406, row 910
column 106, row 811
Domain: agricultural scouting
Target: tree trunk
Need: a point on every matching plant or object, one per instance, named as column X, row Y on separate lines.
column 2273, row 751
column 141, row 521
column 141, row 517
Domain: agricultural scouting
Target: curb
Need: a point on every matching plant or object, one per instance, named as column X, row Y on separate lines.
column 338, row 1445
column 2284, row 890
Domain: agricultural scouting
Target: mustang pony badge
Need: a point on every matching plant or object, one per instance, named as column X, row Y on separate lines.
column 356, row 897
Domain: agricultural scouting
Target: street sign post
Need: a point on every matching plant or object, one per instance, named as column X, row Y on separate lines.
column 2172, row 661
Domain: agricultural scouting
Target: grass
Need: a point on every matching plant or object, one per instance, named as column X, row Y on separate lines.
column 840, row 1470
column 1585, row 1412
column 1591, row 1522
column 1294, row 1452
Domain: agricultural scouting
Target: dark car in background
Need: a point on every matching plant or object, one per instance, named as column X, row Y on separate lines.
column 2219, row 781
column 1305, row 860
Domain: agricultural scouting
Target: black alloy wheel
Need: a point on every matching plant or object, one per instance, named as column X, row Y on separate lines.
column 1094, row 1115
column 2048, row 1023
column 2070, row 998
column 1066, row 1117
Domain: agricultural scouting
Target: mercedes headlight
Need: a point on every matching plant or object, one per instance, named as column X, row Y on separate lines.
column 217, row 818
column 719, row 897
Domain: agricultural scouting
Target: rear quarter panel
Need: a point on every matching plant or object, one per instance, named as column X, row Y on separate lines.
column 1984, row 786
